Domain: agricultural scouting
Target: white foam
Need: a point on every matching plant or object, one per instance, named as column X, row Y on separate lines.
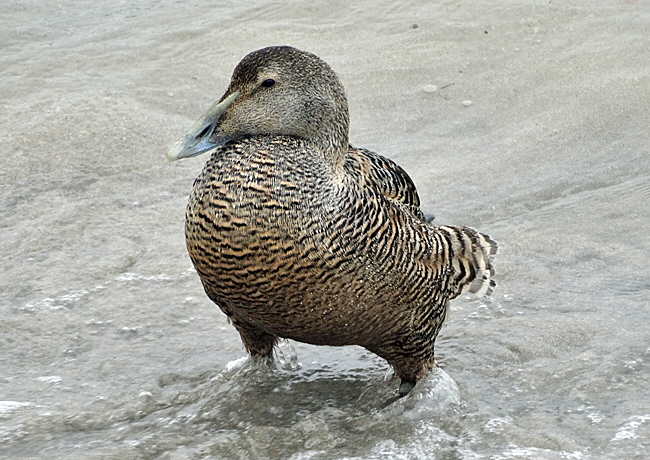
column 628, row 431
column 516, row 452
column 237, row 363
column 497, row 424
column 50, row 379
column 137, row 277
column 10, row 406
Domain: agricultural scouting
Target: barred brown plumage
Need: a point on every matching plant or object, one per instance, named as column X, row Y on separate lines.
column 296, row 234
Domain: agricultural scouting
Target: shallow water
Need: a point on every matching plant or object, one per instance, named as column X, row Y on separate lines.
column 536, row 132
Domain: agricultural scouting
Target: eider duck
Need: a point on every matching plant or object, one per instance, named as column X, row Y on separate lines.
column 296, row 234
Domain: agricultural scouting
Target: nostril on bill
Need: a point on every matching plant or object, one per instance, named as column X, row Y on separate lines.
column 203, row 132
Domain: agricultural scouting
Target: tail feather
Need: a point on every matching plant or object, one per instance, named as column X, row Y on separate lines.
column 471, row 253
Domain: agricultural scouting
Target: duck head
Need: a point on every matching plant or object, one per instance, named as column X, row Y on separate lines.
column 275, row 91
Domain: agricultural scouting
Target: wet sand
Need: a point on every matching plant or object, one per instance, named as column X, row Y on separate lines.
column 528, row 120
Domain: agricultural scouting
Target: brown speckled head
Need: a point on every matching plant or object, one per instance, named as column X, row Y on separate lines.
column 284, row 91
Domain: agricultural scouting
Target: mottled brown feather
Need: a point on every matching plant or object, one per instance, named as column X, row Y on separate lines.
column 296, row 234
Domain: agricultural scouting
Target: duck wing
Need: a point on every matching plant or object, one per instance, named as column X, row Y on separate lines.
column 384, row 176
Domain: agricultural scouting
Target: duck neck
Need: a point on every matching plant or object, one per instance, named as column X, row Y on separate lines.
column 334, row 138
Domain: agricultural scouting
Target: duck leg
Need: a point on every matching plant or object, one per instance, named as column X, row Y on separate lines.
column 410, row 369
column 257, row 342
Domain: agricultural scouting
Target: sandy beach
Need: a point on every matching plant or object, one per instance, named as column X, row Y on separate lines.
column 526, row 119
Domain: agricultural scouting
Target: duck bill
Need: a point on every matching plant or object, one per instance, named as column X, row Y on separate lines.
column 197, row 139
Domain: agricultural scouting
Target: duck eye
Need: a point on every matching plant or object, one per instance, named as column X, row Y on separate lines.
column 268, row 83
